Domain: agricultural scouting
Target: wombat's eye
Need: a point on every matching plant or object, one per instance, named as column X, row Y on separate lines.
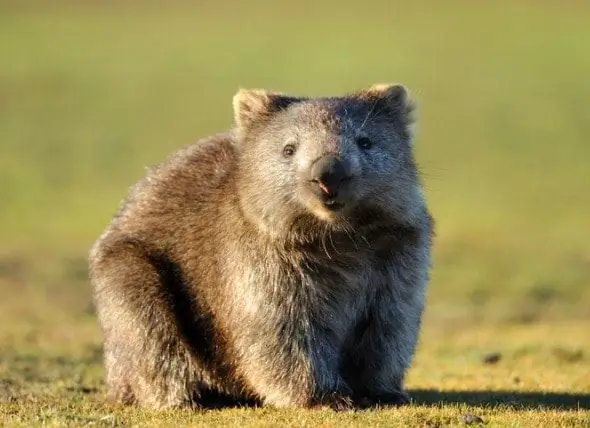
column 289, row 150
column 364, row 143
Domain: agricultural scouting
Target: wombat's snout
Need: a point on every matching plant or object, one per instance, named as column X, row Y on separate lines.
column 327, row 175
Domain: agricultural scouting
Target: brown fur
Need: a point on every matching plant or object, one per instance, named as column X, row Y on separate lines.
column 224, row 273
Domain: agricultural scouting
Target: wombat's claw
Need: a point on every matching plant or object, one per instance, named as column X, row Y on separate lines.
column 339, row 402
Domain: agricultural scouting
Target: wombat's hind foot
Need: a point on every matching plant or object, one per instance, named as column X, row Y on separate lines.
column 152, row 398
column 121, row 394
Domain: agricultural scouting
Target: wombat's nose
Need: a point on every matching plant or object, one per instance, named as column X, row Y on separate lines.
column 328, row 172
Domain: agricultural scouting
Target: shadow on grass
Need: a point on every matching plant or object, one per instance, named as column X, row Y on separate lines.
column 430, row 397
column 213, row 400
column 519, row 400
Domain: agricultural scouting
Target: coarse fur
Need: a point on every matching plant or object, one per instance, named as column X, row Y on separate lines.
column 232, row 270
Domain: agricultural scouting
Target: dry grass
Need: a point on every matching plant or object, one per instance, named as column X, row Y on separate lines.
column 51, row 374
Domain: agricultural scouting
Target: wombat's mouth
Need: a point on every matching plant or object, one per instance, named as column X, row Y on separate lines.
column 333, row 205
column 332, row 198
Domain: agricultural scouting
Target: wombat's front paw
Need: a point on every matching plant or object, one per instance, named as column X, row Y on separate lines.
column 398, row 398
column 338, row 401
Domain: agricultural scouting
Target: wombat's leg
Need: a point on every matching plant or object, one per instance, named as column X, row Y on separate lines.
column 146, row 358
column 383, row 351
column 291, row 385
column 278, row 365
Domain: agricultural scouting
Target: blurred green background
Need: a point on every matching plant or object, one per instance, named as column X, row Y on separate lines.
column 93, row 92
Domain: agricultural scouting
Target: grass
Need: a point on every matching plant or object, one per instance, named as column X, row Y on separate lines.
column 91, row 93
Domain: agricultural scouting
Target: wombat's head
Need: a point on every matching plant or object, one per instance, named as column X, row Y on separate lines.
column 326, row 161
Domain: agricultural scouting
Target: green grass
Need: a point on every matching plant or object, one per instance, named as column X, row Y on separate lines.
column 92, row 92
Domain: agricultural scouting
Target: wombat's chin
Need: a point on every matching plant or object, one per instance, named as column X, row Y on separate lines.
column 332, row 213
column 324, row 214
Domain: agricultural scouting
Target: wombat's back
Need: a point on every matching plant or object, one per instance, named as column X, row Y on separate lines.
column 177, row 193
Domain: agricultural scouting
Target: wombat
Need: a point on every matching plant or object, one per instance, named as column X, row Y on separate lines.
column 284, row 261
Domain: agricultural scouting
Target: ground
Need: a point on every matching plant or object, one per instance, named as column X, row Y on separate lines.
column 509, row 373
column 91, row 93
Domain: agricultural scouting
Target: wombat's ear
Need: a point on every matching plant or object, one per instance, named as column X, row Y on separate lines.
column 395, row 97
column 252, row 105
